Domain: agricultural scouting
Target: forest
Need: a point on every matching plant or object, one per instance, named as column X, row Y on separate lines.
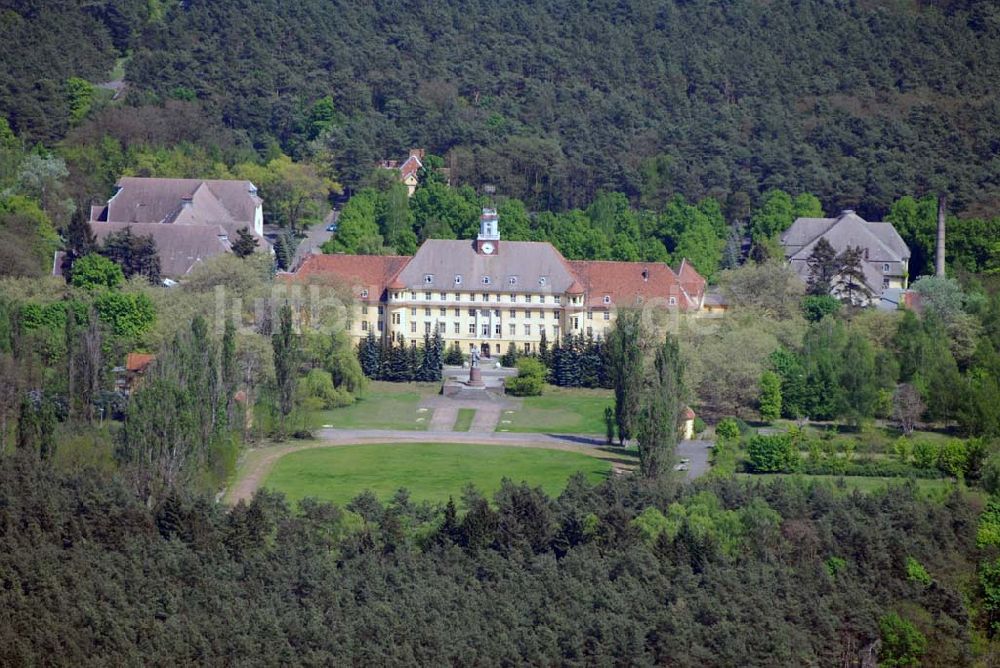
column 553, row 102
column 606, row 130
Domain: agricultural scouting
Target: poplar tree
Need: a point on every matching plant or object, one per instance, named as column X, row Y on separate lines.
column 660, row 406
column 286, row 359
column 625, row 356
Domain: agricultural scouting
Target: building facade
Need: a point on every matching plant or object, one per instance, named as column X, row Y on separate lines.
column 488, row 293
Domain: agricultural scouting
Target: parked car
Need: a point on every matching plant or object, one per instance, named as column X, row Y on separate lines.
column 681, row 467
column 332, row 227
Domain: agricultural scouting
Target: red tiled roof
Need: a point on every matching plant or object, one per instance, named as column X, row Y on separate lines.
column 628, row 283
column 691, row 280
column 137, row 362
column 364, row 272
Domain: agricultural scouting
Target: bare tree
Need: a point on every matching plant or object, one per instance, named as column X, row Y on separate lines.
column 907, row 407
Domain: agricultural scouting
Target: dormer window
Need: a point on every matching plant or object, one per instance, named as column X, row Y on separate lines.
column 672, row 301
column 428, row 278
column 885, row 268
column 458, row 279
column 486, row 280
column 364, row 294
column 607, row 299
column 543, row 280
column 512, row 280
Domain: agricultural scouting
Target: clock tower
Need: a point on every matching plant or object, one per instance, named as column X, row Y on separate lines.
column 488, row 241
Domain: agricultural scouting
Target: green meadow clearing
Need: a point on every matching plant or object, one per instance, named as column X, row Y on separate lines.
column 431, row 472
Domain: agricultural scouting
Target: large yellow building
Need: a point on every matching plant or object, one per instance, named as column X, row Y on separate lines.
column 488, row 293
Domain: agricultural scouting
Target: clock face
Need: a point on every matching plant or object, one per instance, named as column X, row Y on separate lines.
column 488, row 248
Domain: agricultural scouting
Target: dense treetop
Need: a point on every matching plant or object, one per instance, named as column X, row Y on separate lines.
column 857, row 102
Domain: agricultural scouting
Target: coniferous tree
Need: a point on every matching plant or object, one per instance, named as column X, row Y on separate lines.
column 454, row 356
column 824, row 265
column 850, row 281
column 245, row 244
column 509, row 358
column 544, row 353
column 369, row 355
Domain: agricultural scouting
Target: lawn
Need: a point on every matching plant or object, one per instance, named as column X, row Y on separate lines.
column 384, row 406
column 431, row 472
column 561, row 411
column 464, row 420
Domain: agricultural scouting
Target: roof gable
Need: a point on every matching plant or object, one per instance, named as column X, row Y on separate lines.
column 882, row 242
column 149, row 200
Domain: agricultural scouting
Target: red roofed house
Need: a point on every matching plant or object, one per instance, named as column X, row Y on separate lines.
column 489, row 293
column 408, row 169
column 128, row 376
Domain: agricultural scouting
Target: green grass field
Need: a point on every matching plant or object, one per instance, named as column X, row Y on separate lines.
column 430, row 472
column 560, row 410
column 464, row 420
column 384, row 406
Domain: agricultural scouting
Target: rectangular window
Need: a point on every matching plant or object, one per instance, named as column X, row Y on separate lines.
column 380, row 310
column 458, row 328
column 576, row 322
column 427, row 328
column 364, row 325
column 413, row 312
column 590, row 331
column 427, row 296
column 427, row 312
column 512, row 328
column 497, row 297
column 442, row 311
column 555, row 332
column 496, row 329
column 395, row 318
column 607, row 315
column 486, row 297
column 413, row 296
column 472, row 312
column 485, row 329
column 442, row 328
column 443, row 296
column 458, row 312
column 380, row 326
column 590, row 315
column 885, row 268
column 528, row 315
column 527, row 348
column 364, row 310
column 472, row 328
column 413, row 328
column 527, row 330
column 513, row 313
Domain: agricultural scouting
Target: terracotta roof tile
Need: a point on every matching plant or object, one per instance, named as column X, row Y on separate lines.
column 365, row 272
column 138, row 362
column 631, row 283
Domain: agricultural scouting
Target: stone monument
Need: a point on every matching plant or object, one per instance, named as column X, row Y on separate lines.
column 475, row 373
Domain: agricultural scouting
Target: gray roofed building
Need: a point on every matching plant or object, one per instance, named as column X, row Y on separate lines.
column 521, row 266
column 180, row 247
column 189, row 219
column 886, row 256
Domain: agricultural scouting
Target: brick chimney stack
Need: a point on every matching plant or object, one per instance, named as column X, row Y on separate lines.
column 939, row 257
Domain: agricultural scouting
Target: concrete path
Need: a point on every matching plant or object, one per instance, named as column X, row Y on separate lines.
column 697, row 452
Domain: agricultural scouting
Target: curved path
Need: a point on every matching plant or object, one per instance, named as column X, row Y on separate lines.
column 258, row 462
